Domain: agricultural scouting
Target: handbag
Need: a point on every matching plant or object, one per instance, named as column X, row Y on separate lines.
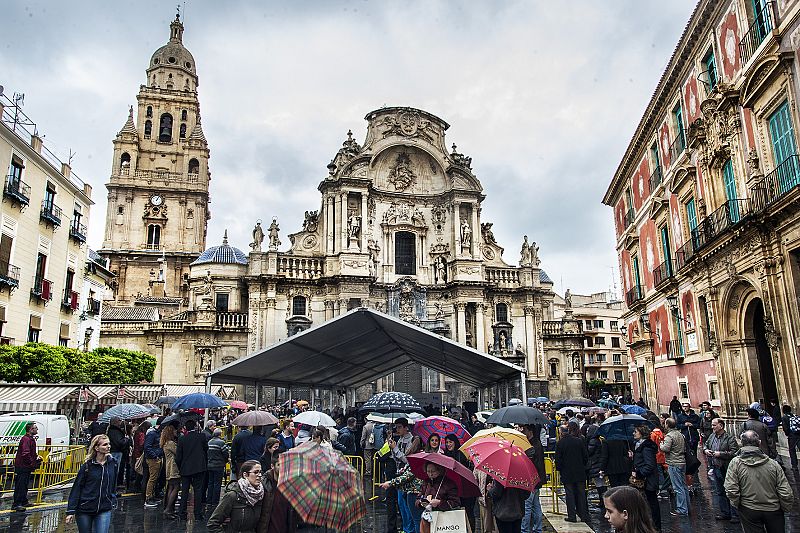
column 427, row 514
column 636, row 482
column 450, row 522
column 139, row 466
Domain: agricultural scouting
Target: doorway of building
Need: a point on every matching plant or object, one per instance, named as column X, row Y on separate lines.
column 757, row 331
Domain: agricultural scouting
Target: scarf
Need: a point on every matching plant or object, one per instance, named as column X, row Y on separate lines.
column 251, row 493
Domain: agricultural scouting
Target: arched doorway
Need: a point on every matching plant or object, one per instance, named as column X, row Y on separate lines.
column 759, row 351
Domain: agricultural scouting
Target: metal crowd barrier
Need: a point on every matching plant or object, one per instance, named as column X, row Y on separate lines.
column 60, row 465
column 553, row 481
column 357, row 462
column 378, row 476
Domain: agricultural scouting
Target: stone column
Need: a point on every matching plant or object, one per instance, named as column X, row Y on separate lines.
column 480, row 328
column 270, row 335
column 461, row 322
column 343, row 228
column 329, row 223
column 328, row 310
column 476, row 250
column 363, row 235
column 532, row 356
column 456, row 230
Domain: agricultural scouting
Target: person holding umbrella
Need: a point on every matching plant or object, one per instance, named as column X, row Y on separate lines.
column 645, row 470
column 508, row 506
column 451, row 449
column 572, row 459
column 410, row 485
column 438, row 493
column 533, row 507
column 434, row 444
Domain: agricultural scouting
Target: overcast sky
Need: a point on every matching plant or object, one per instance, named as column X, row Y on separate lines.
column 543, row 95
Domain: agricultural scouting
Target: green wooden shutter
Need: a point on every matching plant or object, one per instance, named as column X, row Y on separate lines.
column 730, row 191
column 783, row 146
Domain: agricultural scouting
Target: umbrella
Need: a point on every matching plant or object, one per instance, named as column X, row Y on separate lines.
column 198, row 400
column 301, row 403
column 511, row 435
column 597, row 410
column 453, row 470
column 388, row 418
column 633, row 409
column 321, row 486
column 153, row 408
column 608, row 403
column 577, row 401
column 620, row 427
column 564, row 410
column 441, row 425
column 180, row 418
column 504, row 462
column 166, row 400
column 541, row 399
column 255, row 418
column 314, row 418
column 386, row 402
column 517, row 414
column 125, row 411
column 237, row 404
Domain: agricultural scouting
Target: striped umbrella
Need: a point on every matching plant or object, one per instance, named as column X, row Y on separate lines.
column 321, row 486
column 442, row 426
column 125, row 411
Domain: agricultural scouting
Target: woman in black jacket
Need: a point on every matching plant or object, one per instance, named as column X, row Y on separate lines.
column 598, row 459
column 93, row 494
column 451, row 449
column 572, row 459
column 645, row 468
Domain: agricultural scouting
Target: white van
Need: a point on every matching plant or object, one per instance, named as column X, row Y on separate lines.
column 53, row 429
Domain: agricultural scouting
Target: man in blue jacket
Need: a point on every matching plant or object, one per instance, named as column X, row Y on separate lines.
column 153, row 455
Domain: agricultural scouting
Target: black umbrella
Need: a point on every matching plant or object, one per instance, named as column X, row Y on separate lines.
column 518, row 414
column 621, row 427
column 386, row 402
column 577, row 402
column 166, row 400
column 181, row 418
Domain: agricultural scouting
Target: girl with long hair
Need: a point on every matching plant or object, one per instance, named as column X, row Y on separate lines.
column 627, row 511
column 434, row 444
column 169, row 443
column 452, row 449
column 93, row 495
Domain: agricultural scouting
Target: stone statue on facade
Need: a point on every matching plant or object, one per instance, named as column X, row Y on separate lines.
column 311, row 221
column 353, row 225
column 440, row 270
column 203, row 292
column 576, row 362
column 568, row 299
column 258, row 237
column 487, row 234
column 534, row 250
column 274, row 241
column 466, row 235
column 525, row 253
column 374, row 256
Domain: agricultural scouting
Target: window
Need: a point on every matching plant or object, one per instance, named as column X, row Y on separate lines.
column 590, row 358
column 713, row 390
column 553, row 368
column 153, row 237
column 68, row 287
column 6, row 268
column 691, row 218
column 148, row 128
column 589, row 342
column 677, row 116
column 299, row 306
column 184, row 113
column 617, row 375
column 501, row 311
column 165, row 128
column 683, row 389
column 601, row 358
column 405, row 258
column 149, row 113
column 666, row 253
column 588, row 325
column 701, row 304
column 125, row 160
column 637, row 280
column 41, row 267
column 602, row 374
column 615, row 342
column 221, row 303
column 194, row 166
column 183, row 131
column 629, row 201
column 617, row 358
column 730, row 190
column 655, row 157
column 598, row 324
column 711, row 70
column 50, row 196
column 34, row 328
column 781, row 133
column 600, row 340
column 614, row 325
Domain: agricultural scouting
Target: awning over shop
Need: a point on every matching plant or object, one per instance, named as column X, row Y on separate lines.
column 26, row 397
column 359, row 347
column 108, row 393
column 146, row 393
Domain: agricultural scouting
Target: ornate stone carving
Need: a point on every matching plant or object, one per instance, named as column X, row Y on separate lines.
column 460, row 159
column 486, row 233
column 401, row 174
column 311, row 222
column 440, row 247
column 488, row 253
column 469, row 270
column 309, row 242
column 438, row 217
column 408, row 124
column 354, row 264
column 374, row 250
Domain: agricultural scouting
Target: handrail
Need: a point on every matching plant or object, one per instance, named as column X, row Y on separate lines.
column 17, row 189
column 761, row 27
column 784, row 178
column 656, row 178
column 663, row 272
column 636, row 294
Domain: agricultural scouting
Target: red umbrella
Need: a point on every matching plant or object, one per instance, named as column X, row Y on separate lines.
column 453, row 470
column 504, row 462
column 238, row 404
column 442, row 426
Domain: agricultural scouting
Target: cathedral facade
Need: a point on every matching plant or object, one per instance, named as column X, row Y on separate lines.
column 398, row 229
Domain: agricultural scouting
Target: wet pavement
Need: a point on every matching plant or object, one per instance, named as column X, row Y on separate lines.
column 132, row 517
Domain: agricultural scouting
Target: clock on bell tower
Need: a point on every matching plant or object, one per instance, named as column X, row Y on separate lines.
column 158, row 191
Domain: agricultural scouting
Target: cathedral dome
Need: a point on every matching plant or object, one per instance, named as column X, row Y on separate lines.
column 174, row 54
column 223, row 254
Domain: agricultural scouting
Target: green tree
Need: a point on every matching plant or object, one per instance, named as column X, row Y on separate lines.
column 78, row 369
column 42, row 363
column 9, row 363
column 107, row 369
column 141, row 366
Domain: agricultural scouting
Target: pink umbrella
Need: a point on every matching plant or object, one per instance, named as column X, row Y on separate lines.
column 441, row 425
column 504, row 462
column 453, row 470
column 237, row 404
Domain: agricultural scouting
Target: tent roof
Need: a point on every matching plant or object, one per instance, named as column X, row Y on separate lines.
column 359, row 347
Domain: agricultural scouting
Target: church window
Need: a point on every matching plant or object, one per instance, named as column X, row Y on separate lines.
column 194, row 166
column 148, row 128
column 149, row 113
column 184, row 113
column 153, row 237
column 120, row 210
column 155, row 61
column 125, row 160
column 171, row 59
column 165, row 128
column 553, row 368
column 501, row 310
column 299, row 306
column 188, row 65
column 183, row 131
column 222, row 302
column 405, row 257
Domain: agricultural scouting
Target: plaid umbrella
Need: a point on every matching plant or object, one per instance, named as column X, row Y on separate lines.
column 442, row 426
column 125, row 411
column 504, row 462
column 321, row 486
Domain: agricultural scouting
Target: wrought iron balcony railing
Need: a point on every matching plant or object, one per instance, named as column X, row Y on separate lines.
column 9, row 275
column 674, row 350
column 42, row 289
column 77, row 231
column 630, row 215
column 663, row 272
column 17, row 190
column 93, row 306
column 784, row 178
column 70, row 300
column 761, row 27
column 656, row 178
column 634, row 296
column 51, row 213
column 728, row 215
column 677, row 147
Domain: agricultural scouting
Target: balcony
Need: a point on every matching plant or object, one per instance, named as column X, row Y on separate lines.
column 656, row 178
column 630, row 215
column 674, row 350
column 231, row 320
column 761, row 27
column 50, row 213
column 777, row 184
column 677, row 147
column 70, row 300
column 93, row 306
column 684, row 254
column 502, row 276
column 152, row 246
column 634, row 296
column 728, row 215
column 664, row 272
column 77, row 231
column 562, row 327
column 42, row 289
column 17, row 190
column 294, row 267
column 9, row 275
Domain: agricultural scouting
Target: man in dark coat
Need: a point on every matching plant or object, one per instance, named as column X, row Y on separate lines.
column 572, row 459
column 192, row 459
column 532, row 521
column 674, row 407
column 720, row 448
column 689, row 425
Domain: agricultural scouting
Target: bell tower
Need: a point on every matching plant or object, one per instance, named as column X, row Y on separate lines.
column 158, row 191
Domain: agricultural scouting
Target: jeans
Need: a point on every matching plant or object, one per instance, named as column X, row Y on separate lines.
column 533, row 510
column 759, row 521
column 416, row 512
column 214, row 486
column 575, row 496
column 724, row 504
column 22, row 477
column 405, row 513
column 677, row 474
column 794, row 440
column 93, row 522
column 196, row 482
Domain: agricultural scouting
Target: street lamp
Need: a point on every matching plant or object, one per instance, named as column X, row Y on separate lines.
column 644, row 319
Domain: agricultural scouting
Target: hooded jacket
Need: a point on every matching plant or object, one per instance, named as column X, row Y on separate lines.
column 152, row 448
column 644, row 463
column 756, row 482
column 94, row 488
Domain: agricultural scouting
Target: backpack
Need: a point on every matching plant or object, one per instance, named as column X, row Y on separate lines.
column 770, row 422
column 794, row 424
column 379, row 435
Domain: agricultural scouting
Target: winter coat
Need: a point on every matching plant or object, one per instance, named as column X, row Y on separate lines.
column 95, row 487
column 691, row 434
column 440, row 489
column 252, row 447
column 572, row 458
column 618, row 461
column 756, row 482
column 657, row 436
column 237, row 452
column 26, row 456
column 286, row 443
column 674, row 446
column 728, row 448
column 598, row 452
column 536, row 454
column 705, row 423
column 152, row 448
column 138, row 444
column 762, row 430
column 644, row 464
column 192, row 455
column 170, row 464
column 234, row 509
column 217, row 454
column 508, row 504
column 366, row 433
column 119, row 442
column 348, row 441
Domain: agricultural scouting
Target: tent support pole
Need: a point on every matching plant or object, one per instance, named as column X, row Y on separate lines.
column 290, row 395
column 480, row 399
column 208, row 391
column 258, row 391
column 523, row 388
column 505, row 386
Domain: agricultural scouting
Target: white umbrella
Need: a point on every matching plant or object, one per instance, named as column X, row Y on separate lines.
column 314, row 418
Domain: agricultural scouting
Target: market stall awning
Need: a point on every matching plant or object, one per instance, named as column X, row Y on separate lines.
column 108, row 393
column 28, row 397
column 359, row 347
column 146, row 393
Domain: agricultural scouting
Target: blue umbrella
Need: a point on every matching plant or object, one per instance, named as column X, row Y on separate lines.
column 541, row 399
column 633, row 409
column 198, row 400
column 125, row 411
column 621, row 427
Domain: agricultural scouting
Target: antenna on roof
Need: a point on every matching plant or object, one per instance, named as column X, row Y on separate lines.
column 71, row 156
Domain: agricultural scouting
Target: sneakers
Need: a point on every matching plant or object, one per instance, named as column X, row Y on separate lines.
column 151, row 503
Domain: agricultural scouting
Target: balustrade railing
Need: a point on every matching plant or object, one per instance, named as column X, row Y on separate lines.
column 562, row 327
column 299, row 267
column 502, row 276
column 656, row 178
column 663, row 272
column 17, row 190
column 232, row 320
column 634, row 295
column 784, row 178
column 761, row 27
